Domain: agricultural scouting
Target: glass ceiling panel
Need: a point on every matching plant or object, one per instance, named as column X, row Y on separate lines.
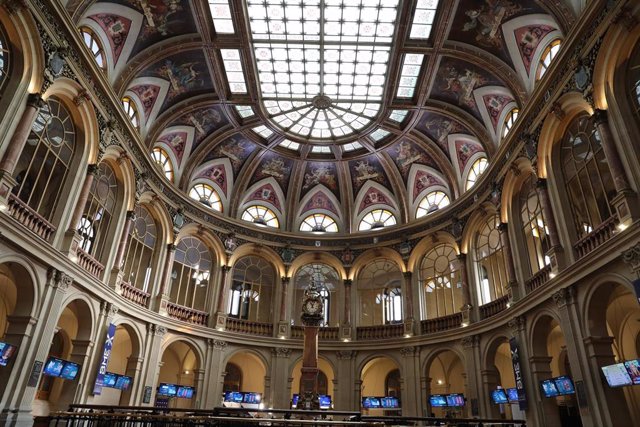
column 322, row 64
column 423, row 19
column 221, row 16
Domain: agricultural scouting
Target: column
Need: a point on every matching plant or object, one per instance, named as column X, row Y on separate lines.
column 411, row 394
column 133, row 396
column 283, row 324
column 72, row 390
column 471, row 348
column 117, row 273
column 221, row 315
column 490, row 381
column 546, row 409
column 215, row 377
column 72, row 238
column 16, row 145
column 345, row 371
column 409, row 318
column 162, row 297
column 279, row 374
column 625, row 201
column 345, row 329
column 198, row 383
column 557, row 261
column 153, row 358
column 466, row 293
column 513, row 287
column 519, row 334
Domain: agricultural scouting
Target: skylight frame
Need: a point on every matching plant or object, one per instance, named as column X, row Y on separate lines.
column 263, row 131
column 234, row 70
column 424, row 17
column 245, row 111
column 221, row 16
column 409, row 74
column 342, row 48
column 398, row 116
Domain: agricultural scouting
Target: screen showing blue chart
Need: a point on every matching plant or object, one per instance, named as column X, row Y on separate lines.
column 512, row 395
column 123, row 382
column 438, row 400
column 70, row 371
column 251, row 397
column 370, row 402
column 389, row 402
column 109, row 379
column 455, row 399
column 6, row 352
column 549, row 388
column 53, row 367
column 233, row 396
column 499, row 396
column 165, row 389
column 185, row 392
column 564, row 385
column 325, row 401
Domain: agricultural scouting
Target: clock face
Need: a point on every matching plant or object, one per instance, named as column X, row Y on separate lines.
column 313, row 306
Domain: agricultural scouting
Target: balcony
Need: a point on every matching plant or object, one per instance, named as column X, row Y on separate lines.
column 324, row 333
column 443, row 323
column 90, row 264
column 30, row 218
column 597, row 237
column 538, row 279
column 248, row 327
column 135, row 295
column 187, row 314
column 494, row 307
column 380, row 332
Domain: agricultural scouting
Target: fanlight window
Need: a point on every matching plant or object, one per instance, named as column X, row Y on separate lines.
column 587, row 176
column 46, row 158
column 138, row 260
column 206, row 195
column 191, row 273
column 548, row 55
column 162, row 158
column 319, row 223
column 322, row 65
column 509, row 121
column 377, row 218
column 131, row 111
column 478, row 167
column 490, row 264
column 4, row 58
column 92, row 42
column 431, row 203
column 252, row 290
column 261, row 216
column 534, row 228
column 440, row 278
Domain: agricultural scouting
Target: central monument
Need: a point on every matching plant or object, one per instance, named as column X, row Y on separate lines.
column 312, row 318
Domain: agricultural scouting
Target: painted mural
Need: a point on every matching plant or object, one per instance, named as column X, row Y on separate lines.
column 494, row 104
column 148, row 95
column 479, row 23
column 176, row 141
column 456, row 82
column 438, row 127
column 374, row 197
column 465, row 149
column 365, row 169
column 116, row 28
column 217, row 174
column 405, row 154
column 528, row 39
column 204, row 120
column 268, row 194
column 273, row 165
column 236, row 148
column 187, row 74
column 424, row 180
column 324, row 173
column 320, row 200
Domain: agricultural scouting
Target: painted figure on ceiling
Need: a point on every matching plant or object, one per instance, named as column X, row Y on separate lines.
column 487, row 19
column 320, row 175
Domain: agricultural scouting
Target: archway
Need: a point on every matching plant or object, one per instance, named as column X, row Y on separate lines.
column 252, row 372
column 445, row 375
column 325, row 378
column 498, row 373
column 380, row 377
column 180, row 366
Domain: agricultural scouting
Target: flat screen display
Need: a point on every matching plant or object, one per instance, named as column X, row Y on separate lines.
column 294, row 400
column 251, row 397
column 371, row 402
column 185, row 392
column 325, row 401
column 123, row 382
column 6, row 352
column 549, row 388
column 564, row 385
column 70, row 371
column 512, row 395
column 437, row 400
column 390, row 402
column 499, row 396
column 233, row 396
column 165, row 389
column 616, row 375
column 633, row 367
column 109, row 379
column 455, row 399
column 53, row 367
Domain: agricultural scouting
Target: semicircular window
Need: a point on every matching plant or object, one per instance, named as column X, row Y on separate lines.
column 94, row 45
column 549, row 53
column 431, row 203
column 261, row 216
column 478, row 167
column 319, row 223
column 162, row 159
column 377, row 218
column 322, row 65
column 4, row 57
column 206, row 195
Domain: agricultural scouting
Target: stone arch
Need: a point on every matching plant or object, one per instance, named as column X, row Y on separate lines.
column 426, row 244
column 190, row 342
column 209, row 238
column 511, row 186
column 27, row 283
column 261, row 251
column 134, row 332
column 161, row 215
column 320, row 258
column 372, row 254
column 476, row 220
column 199, row 177
column 597, row 299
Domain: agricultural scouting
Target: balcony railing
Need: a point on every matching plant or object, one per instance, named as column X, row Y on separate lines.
column 601, row 234
column 135, row 295
column 247, row 327
column 187, row 314
column 31, row 219
column 443, row 323
column 325, row 333
column 379, row 332
column 494, row 307
column 538, row 279
column 90, row 264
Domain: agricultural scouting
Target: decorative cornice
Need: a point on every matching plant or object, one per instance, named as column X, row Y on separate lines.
column 517, row 324
column 345, row 354
column 282, row 352
column 409, row 351
column 564, row 296
column 59, row 280
column 218, row 345
column 632, row 258
column 470, row 341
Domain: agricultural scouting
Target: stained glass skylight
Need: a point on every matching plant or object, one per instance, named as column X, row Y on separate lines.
column 221, row 15
column 322, row 64
column 233, row 68
column 398, row 116
column 263, row 131
column 379, row 134
column 351, row 146
column 423, row 19
column 245, row 111
column 411, row 67
column 289, row 144
column 321, row 149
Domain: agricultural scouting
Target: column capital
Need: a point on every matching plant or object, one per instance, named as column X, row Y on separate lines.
column 564, row 296
column 407, row 274
column 218, row 344
column 171, row 247
column 35, row 100
column 470, row 341
column 59, row 280
column 462, row 257
column 517, row 324
column 92, row 169
column 347, row 282
column 345, row 354
column 285, row 280
column 409, row 351
column 631, row 257
column 281, row 352
column 600, row 117
column 503, row 227
column 131, row 215
column 225, row 268
column 541, row 184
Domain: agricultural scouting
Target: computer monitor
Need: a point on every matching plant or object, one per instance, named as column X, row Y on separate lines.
column 168, row 390
column 109, row 379
column 233, row 396
column 6, row 353
column 294, row 400
column 371, row 402
column 325, row 401
column 512, row 395
column 123, row 382
column 390, row 402
column 633, row 368
column 250, row 397
column 549, row 388
column 455, row 399
column 617, row 375
column 437, row 400
column 499, row 396
column 53, row 367
column 70, row 371
column 185, row 392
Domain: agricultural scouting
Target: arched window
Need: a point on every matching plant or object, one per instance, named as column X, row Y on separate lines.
column 549, row 53
column 431, row 203
column 478, row 167
column 261, row 216
column 139, row 257
column 162, row 158
column 45, row 160
column 319, row 223
column 206, row 195
column 637, row 92
column 191, row 273
column 440, row 278
column 587, row 177
column 380, row 293
column 326, row 278
column 95, row 225
column 93, row 43
column 252, row 290
column 377, row 218
column 4, row 57
column 131, row 111
column 534, row 227
column 509, row 121
column 490, row 264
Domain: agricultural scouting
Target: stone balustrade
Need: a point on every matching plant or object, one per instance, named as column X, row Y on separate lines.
column 135, row 295
column 494, row 307
column 441, row 323
column 90, row 264
column 598, row 236
column 538, row 279
column 324, row 333
column 31, row 219
column 248, row 327
column 186, row 314
column 380, row 332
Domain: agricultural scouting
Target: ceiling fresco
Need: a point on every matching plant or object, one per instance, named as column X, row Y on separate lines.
column 373, row 144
